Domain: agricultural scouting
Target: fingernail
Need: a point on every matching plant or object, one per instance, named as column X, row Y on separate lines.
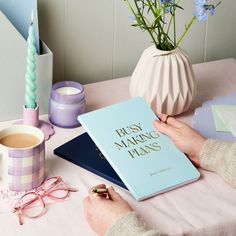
column 156, row 121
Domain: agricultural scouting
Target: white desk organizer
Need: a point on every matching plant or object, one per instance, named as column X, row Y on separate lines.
column 13, row 51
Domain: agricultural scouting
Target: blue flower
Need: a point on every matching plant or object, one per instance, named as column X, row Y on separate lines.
column 202, row 8
column 167, row 4
column 210, row 9
column 167, row 1
column 132, row 18
column 164, row 1
column 200, row 11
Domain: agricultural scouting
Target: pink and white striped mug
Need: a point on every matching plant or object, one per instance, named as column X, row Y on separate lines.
column 22, row 157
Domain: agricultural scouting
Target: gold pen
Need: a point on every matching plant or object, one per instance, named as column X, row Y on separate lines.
column 97, row 190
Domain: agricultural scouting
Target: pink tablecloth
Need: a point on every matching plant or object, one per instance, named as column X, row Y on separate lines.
column 206, row 207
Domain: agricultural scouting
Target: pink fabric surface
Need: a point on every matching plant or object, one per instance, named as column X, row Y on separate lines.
column 205, row 207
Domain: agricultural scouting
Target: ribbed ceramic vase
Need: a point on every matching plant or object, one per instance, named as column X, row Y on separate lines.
column 165, row 79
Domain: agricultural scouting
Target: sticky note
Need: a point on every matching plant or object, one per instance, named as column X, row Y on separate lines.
column 218, row 119
column 229, row 119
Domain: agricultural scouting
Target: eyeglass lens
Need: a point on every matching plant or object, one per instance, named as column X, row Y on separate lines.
column 33, row 206
column 59, row 189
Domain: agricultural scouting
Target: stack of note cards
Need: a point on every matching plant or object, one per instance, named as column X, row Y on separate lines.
column 225, row 118
column 215, row 118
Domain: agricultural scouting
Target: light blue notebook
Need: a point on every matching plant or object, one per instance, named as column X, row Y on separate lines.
column 146, row 161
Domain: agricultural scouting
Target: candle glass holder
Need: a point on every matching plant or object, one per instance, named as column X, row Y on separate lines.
column 67, row 102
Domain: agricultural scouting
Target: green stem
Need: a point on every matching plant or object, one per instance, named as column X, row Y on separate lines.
column 174, row 23
column 154, row 13
column 185, row 31
column 144, row 22
column 160, row 28
column 168, row 29
column 164, row 17
column 155, row 3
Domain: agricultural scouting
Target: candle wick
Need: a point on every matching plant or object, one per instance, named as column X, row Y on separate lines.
column 32, row 17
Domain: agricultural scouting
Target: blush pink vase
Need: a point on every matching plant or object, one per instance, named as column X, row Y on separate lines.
column 165, row 79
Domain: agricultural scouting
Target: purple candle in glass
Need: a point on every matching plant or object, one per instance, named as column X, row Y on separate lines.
column 67, row 101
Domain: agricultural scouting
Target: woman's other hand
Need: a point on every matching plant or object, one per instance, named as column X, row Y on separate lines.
column 101, row 211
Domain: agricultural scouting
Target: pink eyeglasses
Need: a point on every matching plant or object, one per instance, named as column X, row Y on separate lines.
column 32, row 205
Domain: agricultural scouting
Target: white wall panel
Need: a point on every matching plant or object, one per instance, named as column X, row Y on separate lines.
column 52, row 32
column 221, row 33
column 89, row 40
column 94, row 40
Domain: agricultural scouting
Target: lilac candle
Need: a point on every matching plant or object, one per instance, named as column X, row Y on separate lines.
column 67, row 101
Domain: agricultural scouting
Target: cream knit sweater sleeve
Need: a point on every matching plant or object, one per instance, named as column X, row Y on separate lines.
column 220, row 157
column 131, row 225
column 217, row 156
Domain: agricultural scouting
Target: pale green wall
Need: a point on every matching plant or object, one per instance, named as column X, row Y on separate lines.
column 93, row 40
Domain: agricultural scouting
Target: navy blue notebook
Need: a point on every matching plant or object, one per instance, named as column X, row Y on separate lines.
column 83, row 152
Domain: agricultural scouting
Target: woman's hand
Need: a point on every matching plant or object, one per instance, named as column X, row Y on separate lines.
column 184, row 137
column 102, row 212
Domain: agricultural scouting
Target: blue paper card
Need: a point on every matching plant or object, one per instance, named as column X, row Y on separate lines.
column 147, row 162
column 19, row 13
